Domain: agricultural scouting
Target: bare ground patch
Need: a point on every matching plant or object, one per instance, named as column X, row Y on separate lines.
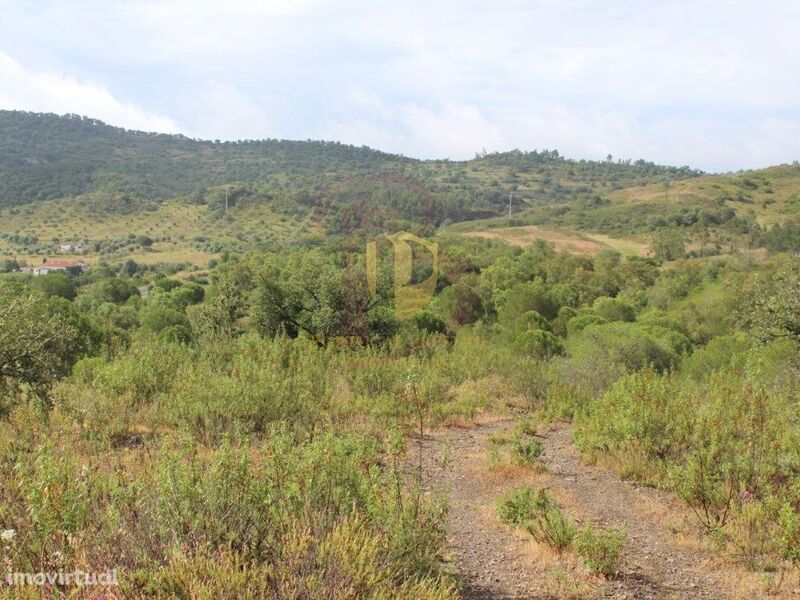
column 494, row 562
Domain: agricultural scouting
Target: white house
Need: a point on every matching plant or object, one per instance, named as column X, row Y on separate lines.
column 58, row 265
column 76, row 247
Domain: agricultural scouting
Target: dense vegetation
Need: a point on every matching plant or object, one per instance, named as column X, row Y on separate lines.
column 45, row 157
column 252, row 430
column 241, row 430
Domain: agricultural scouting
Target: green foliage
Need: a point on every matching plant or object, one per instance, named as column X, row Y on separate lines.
column 775, row 309
column 8, row 265
column 526, row 450
column 250, row 421
column 57, row 284
column 429, row 322
column 631, row 346
column 538, row 343
column 538, row 513
column 461, row 304
column 600, row 548
column 577, row 324
column 114, row 290
column 40, row 339
column 527, row 297
column 530, row 320
column 612, row 309
column 668, row 245
column 716, row 437
column 157, row 319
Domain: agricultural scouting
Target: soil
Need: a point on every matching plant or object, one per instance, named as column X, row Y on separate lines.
column 493, row 561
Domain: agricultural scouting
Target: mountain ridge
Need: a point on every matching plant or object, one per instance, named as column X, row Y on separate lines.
column 45, row 156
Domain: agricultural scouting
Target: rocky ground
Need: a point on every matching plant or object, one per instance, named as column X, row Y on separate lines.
column 494, row 562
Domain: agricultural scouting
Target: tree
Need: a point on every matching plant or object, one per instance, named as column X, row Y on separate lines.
column 315, row 293
column 8, row 265
column 41, row 338
column 668, row 245
column 461, row 303
column 112, row 290
column 774, row 312
column 525, row 297
column 538, row 343
column 158, row 318
column 55, row 284
column 613, row 309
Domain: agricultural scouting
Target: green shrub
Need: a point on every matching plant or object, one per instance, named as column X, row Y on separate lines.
column 629, row 345
column 530, row 320
column 578, row 323
column 613, row 309
column 539, row 344
column 525, row 297
column 600, row 548
column 538, row 513
column 526, row 451
column 156, row 319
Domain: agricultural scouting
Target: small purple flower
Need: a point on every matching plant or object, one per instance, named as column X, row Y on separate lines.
column 745, row 496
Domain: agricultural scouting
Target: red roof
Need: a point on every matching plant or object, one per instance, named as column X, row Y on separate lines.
column 64, row 264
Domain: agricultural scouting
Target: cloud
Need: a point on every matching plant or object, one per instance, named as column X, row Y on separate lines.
column 226, row 113
column 707, row 83
column 45, row 91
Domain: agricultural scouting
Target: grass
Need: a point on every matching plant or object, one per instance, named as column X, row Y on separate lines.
column 537, row 512
column 771, row 195
column 563, row 240
column 183, row 232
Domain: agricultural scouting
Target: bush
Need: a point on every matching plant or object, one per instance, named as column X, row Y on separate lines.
column 55, row 284
column 428, row 322
column 538, row 513
column 526, row 450
column 629, row 345
column 461, row 304
column 612, row 309
column 526, row 297
column 530, row 320
column 578, row 323
column 156, row 319
column 600, row 548
column 539, row 344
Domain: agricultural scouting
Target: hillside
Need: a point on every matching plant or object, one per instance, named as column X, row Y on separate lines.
column 46, row 157
column 75, row 178
column 712, row 214
column 225, row 404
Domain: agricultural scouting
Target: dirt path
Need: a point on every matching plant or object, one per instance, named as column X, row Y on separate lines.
column 495, row 563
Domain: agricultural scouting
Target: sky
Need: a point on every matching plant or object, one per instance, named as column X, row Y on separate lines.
column 712, row 85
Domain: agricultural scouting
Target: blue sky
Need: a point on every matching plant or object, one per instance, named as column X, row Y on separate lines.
column 715, row 85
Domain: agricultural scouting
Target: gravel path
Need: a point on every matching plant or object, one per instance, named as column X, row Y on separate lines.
column 493, row 562
column 655, row 565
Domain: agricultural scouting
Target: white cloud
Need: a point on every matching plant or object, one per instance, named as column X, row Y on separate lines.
column 228, row 114
column 45, row 91
column 707, row 83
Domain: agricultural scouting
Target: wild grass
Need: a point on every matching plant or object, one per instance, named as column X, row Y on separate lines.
column 537, row 512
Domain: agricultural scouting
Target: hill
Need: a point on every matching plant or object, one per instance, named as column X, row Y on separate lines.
column 76, row 178
column 711, row 214
column 45, row 157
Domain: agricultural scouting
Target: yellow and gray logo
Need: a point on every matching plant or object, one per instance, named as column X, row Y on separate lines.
column 408, row 298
